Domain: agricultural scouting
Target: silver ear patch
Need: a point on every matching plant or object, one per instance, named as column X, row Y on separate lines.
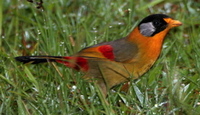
column 147, row 29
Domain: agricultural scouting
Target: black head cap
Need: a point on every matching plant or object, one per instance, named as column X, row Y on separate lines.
column 153, row 24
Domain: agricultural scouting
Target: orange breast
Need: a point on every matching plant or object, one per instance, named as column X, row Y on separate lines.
column 149, row 50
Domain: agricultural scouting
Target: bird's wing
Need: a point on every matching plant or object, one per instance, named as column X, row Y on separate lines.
column 119, row 50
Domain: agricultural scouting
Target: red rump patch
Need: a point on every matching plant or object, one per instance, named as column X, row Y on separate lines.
column 107, row 51
column 78, row 63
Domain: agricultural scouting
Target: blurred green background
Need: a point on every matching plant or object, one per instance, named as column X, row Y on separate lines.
column 63, row 27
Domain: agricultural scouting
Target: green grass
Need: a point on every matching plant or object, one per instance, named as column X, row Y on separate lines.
column 170, row 87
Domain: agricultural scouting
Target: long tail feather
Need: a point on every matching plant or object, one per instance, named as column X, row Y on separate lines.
column 77, row 63
column 37, row 59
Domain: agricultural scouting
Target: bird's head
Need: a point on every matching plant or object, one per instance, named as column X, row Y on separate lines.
column 155, row 23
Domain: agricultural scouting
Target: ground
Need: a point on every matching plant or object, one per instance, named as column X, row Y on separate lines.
column 59, row 27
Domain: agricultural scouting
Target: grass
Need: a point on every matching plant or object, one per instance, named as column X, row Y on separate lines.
column 64, row 27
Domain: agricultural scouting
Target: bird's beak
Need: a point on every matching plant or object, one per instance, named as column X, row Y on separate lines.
column 172, row 23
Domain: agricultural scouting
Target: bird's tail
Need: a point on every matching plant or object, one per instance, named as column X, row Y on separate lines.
column 78, row 63
column 37, row 59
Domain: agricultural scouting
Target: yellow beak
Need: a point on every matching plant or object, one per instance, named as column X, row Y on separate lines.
column 172, row 23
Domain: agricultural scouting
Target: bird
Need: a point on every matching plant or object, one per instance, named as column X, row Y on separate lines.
column 114, row 62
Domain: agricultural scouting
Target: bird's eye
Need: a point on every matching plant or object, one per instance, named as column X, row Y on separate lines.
column 156, row 23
